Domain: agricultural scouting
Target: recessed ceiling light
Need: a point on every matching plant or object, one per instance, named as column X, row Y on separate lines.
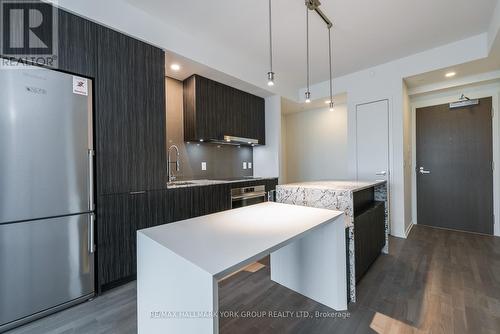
column 450, row 74
column 175, row 67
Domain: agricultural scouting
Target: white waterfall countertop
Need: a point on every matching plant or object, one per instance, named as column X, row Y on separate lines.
column 220, row 242
column 180, row 264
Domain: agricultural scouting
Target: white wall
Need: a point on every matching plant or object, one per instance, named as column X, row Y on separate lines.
column 316, row 145
column 472, row 90
column 386, row 82
column 267, row 158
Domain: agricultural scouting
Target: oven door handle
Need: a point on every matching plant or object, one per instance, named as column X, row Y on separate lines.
column 249, row 196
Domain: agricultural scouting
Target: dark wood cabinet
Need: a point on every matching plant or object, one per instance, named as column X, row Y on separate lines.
column 369, row 236
column 77, row 45
column 212, row 110
column 189, row 202
column 119, row 217
column 130, row 120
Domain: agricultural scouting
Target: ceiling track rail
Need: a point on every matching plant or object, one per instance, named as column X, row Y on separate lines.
column 314, row 5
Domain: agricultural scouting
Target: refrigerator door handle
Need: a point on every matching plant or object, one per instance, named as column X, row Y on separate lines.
column 91, row 233
column 91, row 179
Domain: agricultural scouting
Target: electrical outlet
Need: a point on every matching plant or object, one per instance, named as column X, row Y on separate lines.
column 244, row 165
column 249, row 165
column 203, row 165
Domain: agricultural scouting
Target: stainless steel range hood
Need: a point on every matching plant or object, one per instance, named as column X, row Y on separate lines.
column 232, row 140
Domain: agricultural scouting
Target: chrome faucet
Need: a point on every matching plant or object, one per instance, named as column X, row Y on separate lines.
column 171, row 176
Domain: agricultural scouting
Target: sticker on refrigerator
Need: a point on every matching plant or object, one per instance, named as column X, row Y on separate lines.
column 80, row 86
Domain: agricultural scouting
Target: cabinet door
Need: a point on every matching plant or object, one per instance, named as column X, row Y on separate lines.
column 190, row 202
column 246, row 126
column 130, row 115
column 211, row 199
column 117, row 221
column 215, row 114
column 77, row 45
column 157, row 209
column 181, row 204
column 260, row 119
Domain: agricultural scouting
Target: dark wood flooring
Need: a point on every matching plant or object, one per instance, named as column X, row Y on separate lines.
column 436, row 281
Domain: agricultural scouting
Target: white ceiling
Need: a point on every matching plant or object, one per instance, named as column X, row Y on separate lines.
column 366, row 33
column 189, row 67
column 478, row 68
column 463, row 71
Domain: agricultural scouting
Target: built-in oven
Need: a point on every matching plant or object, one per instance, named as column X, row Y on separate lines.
column 247, row 196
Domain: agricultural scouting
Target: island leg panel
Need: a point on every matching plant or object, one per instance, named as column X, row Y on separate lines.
column 173, row 295
column 315, row 265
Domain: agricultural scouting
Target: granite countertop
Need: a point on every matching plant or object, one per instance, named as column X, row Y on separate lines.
column 335, row 185
column 201, row 183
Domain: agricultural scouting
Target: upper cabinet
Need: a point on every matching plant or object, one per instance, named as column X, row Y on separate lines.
column 213, row 110
column 130, row 118
column 77, row 45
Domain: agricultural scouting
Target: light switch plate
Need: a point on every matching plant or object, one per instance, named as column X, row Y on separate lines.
column 244, row 165
column 249, row 165
column 203, row 165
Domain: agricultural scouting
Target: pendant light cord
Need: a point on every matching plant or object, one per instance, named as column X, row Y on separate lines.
column 330, row 59
column 270, row 39
column 307, row 45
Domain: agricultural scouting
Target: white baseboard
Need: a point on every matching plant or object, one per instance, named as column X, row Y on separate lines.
column 408, row 229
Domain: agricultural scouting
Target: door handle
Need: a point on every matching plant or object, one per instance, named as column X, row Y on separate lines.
column 382, row 173
column 423, row 171
column 91, row 179
column 91, row 233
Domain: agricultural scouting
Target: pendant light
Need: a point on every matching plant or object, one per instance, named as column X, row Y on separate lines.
column 270, row 74
column 308, row 92
column 330, row 61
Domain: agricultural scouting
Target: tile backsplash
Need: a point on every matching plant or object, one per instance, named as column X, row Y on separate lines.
column 222, row 161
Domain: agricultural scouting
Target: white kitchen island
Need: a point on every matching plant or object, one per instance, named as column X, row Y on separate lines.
column 179, row 264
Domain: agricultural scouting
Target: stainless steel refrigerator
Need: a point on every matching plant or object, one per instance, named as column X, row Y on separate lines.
column 46, row 193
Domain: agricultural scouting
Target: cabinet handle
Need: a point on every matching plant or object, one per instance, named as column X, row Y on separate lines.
column 137, row 192
column 91, row 234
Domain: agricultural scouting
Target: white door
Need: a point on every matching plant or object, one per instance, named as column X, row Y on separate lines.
column 372, row 141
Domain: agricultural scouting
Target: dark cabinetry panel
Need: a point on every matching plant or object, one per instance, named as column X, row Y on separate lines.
column 369, row 236
column 362, row 200
column 131, row 114
column 119, row 218
column 212, row 110
column 77, row 45
column 189, row 202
